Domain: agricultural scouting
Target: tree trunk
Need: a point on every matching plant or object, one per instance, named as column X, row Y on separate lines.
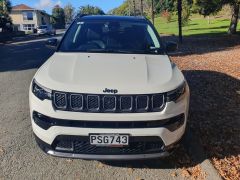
column 209, row 20
column 234, row 20
column 152, row 9
column 141, row 4
column 180, row 20
column 134, row 7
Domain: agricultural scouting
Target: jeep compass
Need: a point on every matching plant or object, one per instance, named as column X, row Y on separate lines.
column 109, row 92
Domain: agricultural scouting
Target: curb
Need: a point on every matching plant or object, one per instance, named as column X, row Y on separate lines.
column 195, row 150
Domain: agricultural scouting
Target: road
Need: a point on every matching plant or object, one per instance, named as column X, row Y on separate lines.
column 20, row 157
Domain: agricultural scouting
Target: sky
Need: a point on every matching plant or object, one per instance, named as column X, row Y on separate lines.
column 47, row 5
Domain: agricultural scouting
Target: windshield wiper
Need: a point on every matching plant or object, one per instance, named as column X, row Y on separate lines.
column 107, row 51
column 94, row 50
column 147, row 51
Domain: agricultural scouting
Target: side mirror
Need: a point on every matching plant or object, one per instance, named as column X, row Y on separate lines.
column 52, row 43
column 171, row 46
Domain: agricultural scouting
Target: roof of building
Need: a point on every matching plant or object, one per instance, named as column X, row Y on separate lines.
column 22, row 7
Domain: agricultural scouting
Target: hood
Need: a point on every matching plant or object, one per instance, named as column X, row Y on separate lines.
column 94, row 72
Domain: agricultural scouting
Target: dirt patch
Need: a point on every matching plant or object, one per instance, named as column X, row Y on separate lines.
column 212, row 68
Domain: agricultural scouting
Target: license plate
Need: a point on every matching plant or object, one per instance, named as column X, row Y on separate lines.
column 109, row 139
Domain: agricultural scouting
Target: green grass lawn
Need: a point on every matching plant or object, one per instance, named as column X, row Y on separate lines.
column 196, row 26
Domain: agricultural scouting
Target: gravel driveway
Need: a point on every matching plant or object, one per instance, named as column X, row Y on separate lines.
column 211, row 65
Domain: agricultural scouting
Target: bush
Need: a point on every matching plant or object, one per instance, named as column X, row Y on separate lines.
column 167, row 15
column 186, row 12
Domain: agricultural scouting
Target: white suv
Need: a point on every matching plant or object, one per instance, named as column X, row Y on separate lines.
column 109, row 92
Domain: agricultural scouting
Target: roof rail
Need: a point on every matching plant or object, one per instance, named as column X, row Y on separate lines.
column 82, row 15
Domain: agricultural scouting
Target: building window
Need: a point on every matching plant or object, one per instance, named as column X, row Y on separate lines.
column 43, row 22
column 28, row 27
column 27, row 16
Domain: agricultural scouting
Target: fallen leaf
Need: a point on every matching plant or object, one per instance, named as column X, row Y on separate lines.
column 69, row 160
column 185, row 173
column 100, row 165
column 212, row 71
column 174, row 174
column 130, row 170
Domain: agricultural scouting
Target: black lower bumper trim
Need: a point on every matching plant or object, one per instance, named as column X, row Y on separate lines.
column 136, row 151
column 46, row 122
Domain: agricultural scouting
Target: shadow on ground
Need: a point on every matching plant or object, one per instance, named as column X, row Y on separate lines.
column 213, row 123
column 205, row 43
column 207, row 28
column 23, row 56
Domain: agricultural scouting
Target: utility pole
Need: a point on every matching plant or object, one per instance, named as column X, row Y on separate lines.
column 180, row 21
column 129, row 8
column 152, row 12
column 141, row 3
column 134, row 7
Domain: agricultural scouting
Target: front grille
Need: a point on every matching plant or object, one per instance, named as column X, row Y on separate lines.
column 93, row 102
column 142, row 102
column 76, row 101
column 60, row 100
column 108, row 103
column 126, row 103
column 81, row 145
column 157, row 101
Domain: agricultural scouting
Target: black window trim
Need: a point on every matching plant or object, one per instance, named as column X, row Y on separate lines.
column 143, row 20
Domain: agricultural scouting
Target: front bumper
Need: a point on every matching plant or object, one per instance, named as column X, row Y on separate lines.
column 49, row 150
column 109, row 157
column 66, row 123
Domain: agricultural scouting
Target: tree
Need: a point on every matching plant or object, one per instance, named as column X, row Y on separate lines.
column 91, row 10
column 234, row 20
column 134, row 7
column 5, row 9
column 69, row 12
column 186, row 11
column 207, row 7
column 122, row 10
column 152, row 11
column 58, row 17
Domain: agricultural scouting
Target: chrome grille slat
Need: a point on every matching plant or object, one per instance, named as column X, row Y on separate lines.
column 99, row 103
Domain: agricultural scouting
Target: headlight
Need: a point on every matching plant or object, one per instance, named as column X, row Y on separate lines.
column 177, row 93
column 40, row 91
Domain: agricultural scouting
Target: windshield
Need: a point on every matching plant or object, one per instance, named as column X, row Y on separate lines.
column 111, row 37
column 42, row 27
